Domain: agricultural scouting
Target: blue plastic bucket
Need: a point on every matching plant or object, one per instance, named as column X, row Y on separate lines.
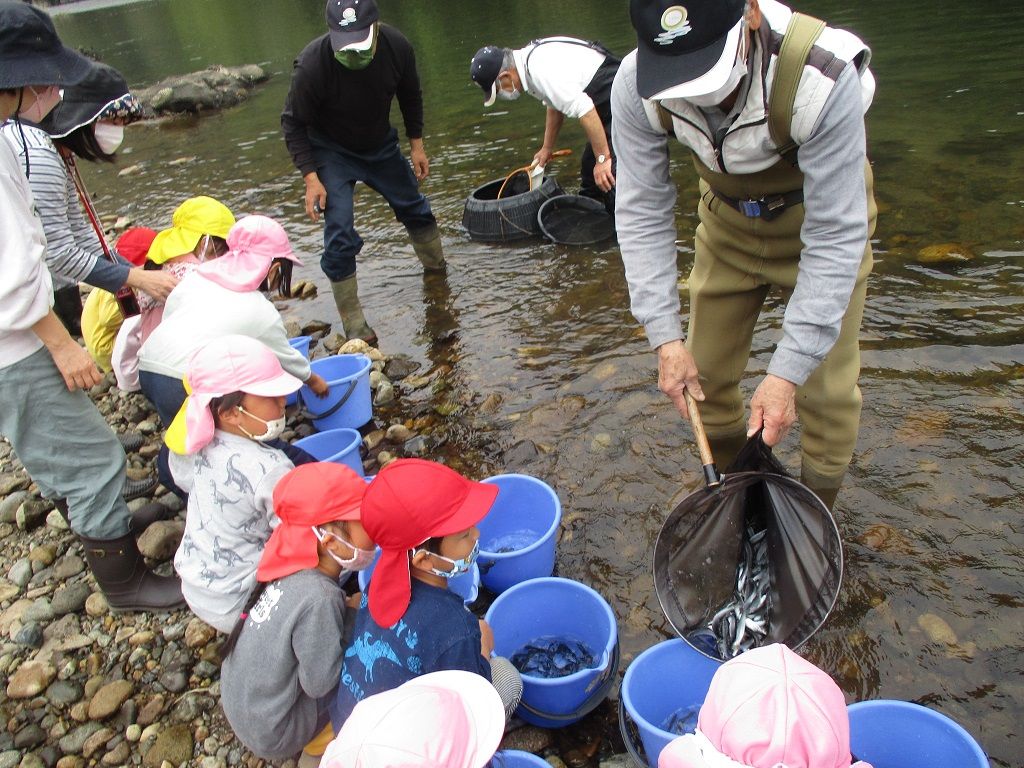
column 340, row 446
column 666, row 678
column 348, row 403
column 899, row 734
column 299, row 344
column 525, row 518
column 553, row 607
column 514, row 758
column 467, row 585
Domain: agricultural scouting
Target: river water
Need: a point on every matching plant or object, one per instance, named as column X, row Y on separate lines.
column 544, row 371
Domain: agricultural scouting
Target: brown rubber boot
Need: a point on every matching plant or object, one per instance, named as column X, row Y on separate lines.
column 427, row 244
column 346, row 298
column 125, row 580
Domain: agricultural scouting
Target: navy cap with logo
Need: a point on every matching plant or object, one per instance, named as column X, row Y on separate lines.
column 484, row 70
column 684, row 49
column 350, row 23
column 30, row 51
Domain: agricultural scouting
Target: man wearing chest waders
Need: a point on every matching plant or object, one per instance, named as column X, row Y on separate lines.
column 572, row 78
column 337, row 128
column 771, row 107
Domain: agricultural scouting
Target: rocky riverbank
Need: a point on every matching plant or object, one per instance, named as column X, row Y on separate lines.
column 87, row 687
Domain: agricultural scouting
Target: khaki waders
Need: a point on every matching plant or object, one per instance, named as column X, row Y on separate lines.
column 738, row 259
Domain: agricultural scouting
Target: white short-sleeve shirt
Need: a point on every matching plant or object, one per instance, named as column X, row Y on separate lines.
column 556, row 70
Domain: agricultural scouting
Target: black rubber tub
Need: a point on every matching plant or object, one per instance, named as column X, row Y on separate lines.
column 514, row 216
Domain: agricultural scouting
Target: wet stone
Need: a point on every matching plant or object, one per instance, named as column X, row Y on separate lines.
column 198, row 633
column 74, row 742
column 64, row 693
column 173, row 745
column 175, row 682
column 10, row 759
column 96, row 742
column 400, row 366
column 31, row 514
column 9, row 506
column 71, row 598
column 30, row 635
column 40, row 611
column 96, row 604
column 8, row 590
column 417, row 446
column 68, row 566
column 109, row 699
column 21, row 572
column 30, row 680
column 30, row 736
column 551, row 657
column 11, row 482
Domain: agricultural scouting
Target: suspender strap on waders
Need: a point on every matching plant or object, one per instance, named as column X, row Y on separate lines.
column 801, row 34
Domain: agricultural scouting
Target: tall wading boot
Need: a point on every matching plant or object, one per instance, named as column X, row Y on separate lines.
column 725, row 448
column 124, row 578
column 826, row 488
column 426, row 242
column 346, row 297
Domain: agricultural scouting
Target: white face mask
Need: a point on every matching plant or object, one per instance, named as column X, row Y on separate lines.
column 109, row 136
column 739, row 69
column 45, row 101
column 512, row 95
column 360, row 560
column 274, row 427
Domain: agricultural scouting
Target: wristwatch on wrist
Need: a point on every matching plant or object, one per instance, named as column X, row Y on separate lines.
column 602, row 159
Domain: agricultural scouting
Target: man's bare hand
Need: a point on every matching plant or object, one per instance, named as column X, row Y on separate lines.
column 157, row 283
column 75, row 365
column 316, row 383
column 677, row 371
column 420, row 163
column 603, row 176
column 773, row 407
column 316, row 196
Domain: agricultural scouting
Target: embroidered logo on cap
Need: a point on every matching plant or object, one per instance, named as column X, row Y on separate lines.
column 348, row 16
column 674, row 22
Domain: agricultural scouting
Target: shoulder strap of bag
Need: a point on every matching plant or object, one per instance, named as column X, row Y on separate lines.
column 801, row 34
column 665, row 118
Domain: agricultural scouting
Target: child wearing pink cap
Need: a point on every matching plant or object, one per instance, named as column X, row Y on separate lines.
column 291, row 629
column 766, row 708
column 235, row 409
column 220, row 297
column 448, row 719
column 423, row 516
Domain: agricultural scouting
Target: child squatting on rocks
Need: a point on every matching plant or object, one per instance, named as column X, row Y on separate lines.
column 450, row 718
column 423, row 516
column 765, row 708
column 236, row 406
column 283, row 659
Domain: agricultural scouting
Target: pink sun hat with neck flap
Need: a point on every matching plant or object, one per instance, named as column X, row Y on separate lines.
column 447, row 719
column 253, row 243
column 232, row 363
column 767, row 708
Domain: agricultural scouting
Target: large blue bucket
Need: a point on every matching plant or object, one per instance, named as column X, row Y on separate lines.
column 667, row 678
column 466, row 585
column 513, row 758
column 340, row 446
column 899, row 734
column 348, row 403
column 299, row 344
column 553, row 607
column 523, row 520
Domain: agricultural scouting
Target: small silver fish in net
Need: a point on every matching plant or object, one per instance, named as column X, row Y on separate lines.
column 743, row 622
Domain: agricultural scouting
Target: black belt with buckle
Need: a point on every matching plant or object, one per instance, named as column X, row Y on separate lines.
column 767, row 208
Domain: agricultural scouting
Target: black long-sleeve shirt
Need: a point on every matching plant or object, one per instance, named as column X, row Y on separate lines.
column 351, row 107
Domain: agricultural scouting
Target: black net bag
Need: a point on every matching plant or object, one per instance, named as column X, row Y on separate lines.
column 756, row 533
column 575, row 220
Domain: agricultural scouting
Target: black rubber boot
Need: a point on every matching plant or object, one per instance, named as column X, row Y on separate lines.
column 141, row 518
column 125, row 580
column 135, row 489
column 130, row 441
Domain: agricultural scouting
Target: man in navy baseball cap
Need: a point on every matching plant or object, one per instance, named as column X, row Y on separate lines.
column 685, row 50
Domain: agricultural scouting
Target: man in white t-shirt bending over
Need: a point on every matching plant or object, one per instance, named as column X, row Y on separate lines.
column 573, row 78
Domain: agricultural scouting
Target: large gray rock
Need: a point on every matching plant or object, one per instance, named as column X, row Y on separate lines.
column 214, row 88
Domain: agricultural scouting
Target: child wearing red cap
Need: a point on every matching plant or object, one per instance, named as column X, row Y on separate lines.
column 423, row 516
column 282, row 662
column 101, row 316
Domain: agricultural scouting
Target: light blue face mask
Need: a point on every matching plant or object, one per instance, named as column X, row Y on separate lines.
column 461, row 566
